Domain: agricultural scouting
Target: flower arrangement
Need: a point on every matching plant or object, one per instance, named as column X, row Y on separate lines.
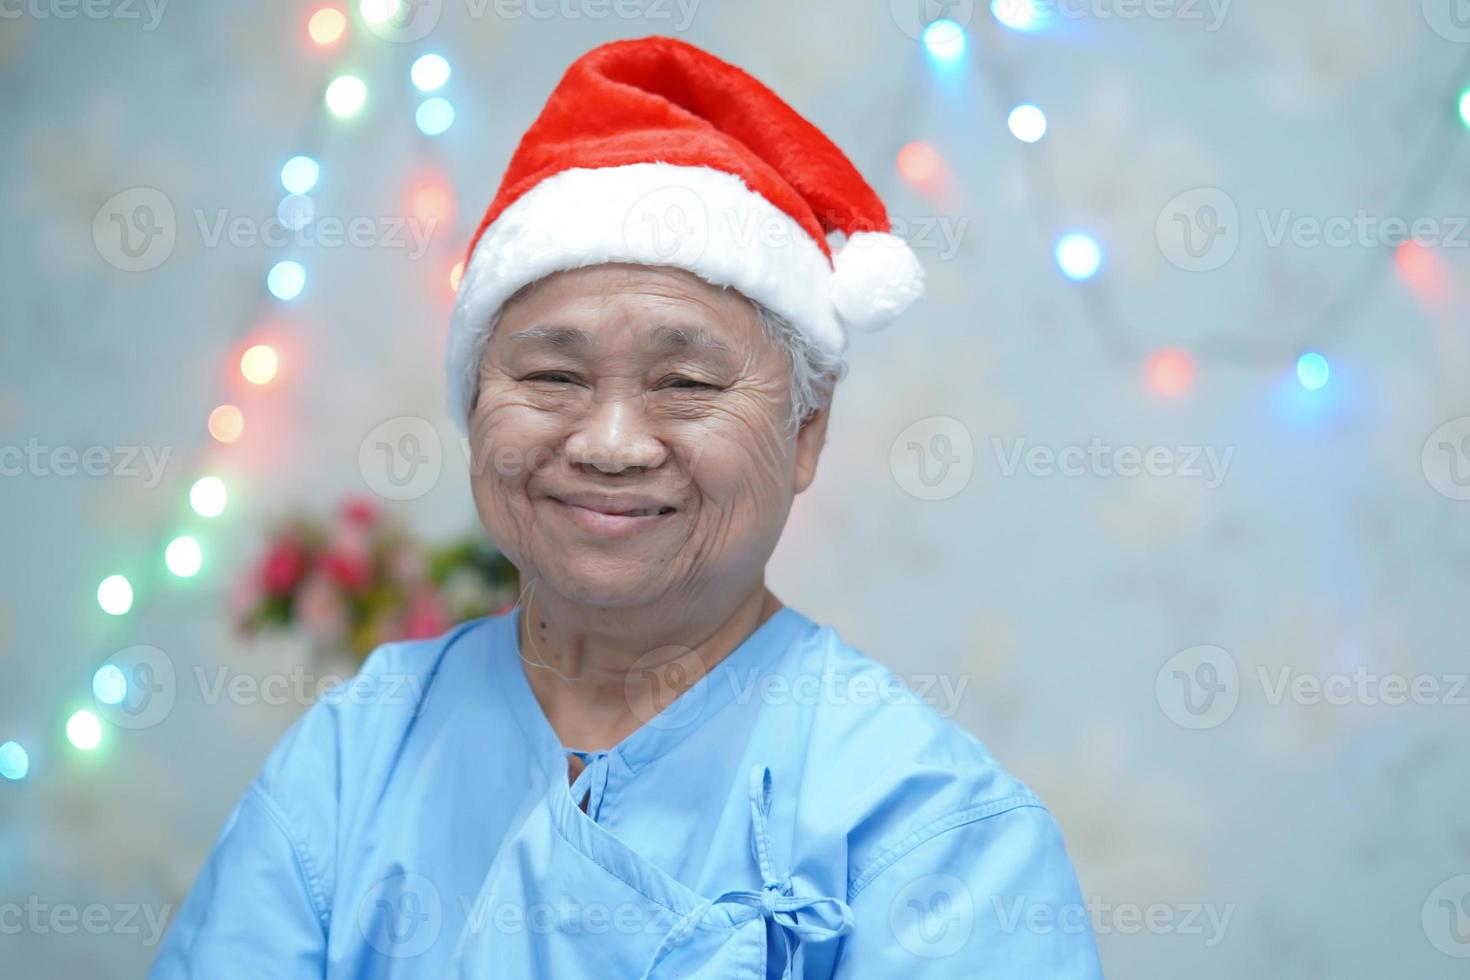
column 360, row 580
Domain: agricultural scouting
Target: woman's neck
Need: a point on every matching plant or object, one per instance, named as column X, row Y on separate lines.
column 597, row 682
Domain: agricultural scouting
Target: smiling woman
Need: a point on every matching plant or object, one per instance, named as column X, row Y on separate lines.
column 651, row 766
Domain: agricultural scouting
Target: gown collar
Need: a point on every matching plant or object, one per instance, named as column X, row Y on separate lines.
column 743, row 667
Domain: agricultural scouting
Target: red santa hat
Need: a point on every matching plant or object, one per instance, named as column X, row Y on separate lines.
column 654, row 152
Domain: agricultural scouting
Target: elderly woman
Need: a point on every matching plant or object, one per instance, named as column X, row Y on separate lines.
column 651, row 767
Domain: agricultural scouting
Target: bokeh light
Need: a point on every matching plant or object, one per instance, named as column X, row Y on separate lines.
column 259, row 364
column 1078, row 255
column 455, row 275
column 326, row 26
column 346, row 96
column 1312, row 370
column 944, row 39
column 1465, row 107
column 109, row 686
column 84, row 731
column 376, row 12
column 208, row 496
column 14, row 762
column 918, row 163
column 431, row 203
column 1018, row 15
column 300, row 174
column 286, row 280
column 183, row 556
column 1170, row 371
column 115, row 595
column 1027, row 123
column 226, row 423
column 429, row 73
column 434, row 116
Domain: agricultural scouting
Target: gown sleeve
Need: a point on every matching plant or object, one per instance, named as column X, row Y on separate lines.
column 253, row 911
column 985, row 894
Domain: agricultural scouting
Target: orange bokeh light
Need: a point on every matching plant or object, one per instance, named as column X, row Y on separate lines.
column 326, row 26
column 918, row 162
column 226, row 423
column 456, row 274
column 259, row 364
column 432, row 203
column 1170, row 371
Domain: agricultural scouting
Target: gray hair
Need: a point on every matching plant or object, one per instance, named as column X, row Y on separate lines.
column 813, row 370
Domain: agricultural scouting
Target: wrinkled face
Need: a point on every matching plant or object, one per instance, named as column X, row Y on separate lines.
column 630, row 443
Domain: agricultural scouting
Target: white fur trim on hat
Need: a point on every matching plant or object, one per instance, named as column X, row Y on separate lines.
column 704, row 220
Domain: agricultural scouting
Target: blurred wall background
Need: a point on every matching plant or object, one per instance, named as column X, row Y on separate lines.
column 1212, row 610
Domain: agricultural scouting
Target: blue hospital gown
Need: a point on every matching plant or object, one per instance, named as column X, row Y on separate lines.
column 789, row 815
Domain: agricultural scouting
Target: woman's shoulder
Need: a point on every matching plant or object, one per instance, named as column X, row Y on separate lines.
column 887, row 756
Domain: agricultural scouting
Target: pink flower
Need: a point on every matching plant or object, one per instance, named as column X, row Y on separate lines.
column 353, row 572
column 359, row 512
column 426, row 616
column 282, row 568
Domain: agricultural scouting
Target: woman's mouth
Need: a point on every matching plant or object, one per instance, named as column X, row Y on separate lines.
column 611, row 518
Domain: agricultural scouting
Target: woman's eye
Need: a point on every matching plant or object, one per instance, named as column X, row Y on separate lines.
column 554, row 377
column 685, row 383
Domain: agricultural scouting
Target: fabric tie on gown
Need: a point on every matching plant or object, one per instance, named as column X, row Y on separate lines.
column 792, row 918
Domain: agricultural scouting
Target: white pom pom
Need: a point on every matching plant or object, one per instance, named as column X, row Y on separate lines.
column 875, row 276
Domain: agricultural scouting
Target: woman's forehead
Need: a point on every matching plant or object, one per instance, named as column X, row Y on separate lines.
column 665, row 311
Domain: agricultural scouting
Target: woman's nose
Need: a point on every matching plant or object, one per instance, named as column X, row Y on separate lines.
column 615, row 436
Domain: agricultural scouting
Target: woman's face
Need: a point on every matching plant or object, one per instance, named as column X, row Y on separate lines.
column 629, row 444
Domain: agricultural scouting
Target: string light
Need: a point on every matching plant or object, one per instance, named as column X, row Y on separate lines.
column 300, row 174
column 1312, row 370
column 208, row 496
column 1170, row 371
column 376, row 12
column 183, row 557
column 429, row 73
column 455, row 275
column 346, row 96
column 226, row 423
column 1078, row 255
column 259, row 364
column 434, row 116
column 84, row 731
column 115, row 595
column 109, row 686
column 918, row 163
column 286, row 280
column 326, row 26
column 1027, row 123
column 944, row 39
column 14, row 762
column 1018, row 15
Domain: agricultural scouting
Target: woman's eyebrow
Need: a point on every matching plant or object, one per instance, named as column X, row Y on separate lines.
column 666, row 338
column 566, row 338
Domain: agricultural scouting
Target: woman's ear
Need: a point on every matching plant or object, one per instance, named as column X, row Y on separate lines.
column 809, row 441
